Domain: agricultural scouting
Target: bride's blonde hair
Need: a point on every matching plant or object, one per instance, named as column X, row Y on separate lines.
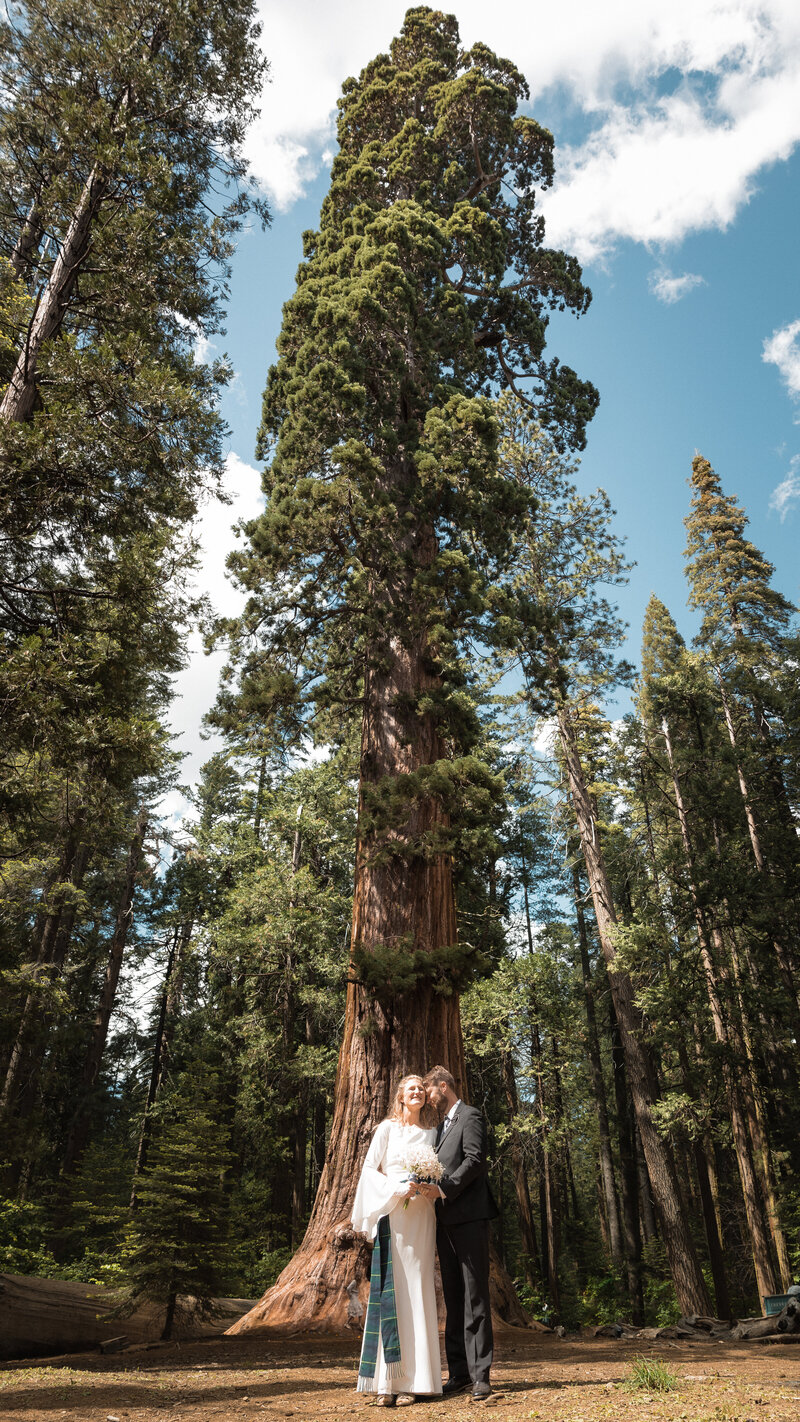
column 427, row 1116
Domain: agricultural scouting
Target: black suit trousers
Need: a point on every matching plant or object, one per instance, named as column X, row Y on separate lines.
column 463, row 1251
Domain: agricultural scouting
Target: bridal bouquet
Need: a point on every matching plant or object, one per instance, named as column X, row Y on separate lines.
column 424, row 1167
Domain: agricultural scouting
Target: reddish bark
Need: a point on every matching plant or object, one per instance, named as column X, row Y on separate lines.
column 403, row 903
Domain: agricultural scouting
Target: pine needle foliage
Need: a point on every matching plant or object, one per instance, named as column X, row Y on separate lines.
column 175, row 1253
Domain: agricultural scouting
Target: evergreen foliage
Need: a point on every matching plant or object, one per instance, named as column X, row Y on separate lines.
column 120, row 148
column 174, row 1253
column 426, row 284
column 424, row 516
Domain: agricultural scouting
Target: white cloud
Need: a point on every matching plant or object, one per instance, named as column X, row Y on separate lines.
column 653, row 172
column 787, row 492
column 545, row 737
column 782, row 348
column 196, row 686
column 669, row 288
column 654, row 166
column 203, row 348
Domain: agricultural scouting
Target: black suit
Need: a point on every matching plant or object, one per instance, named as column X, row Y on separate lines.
column 462, row 1241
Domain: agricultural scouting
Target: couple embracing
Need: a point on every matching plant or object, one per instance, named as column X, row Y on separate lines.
column 404, row 1213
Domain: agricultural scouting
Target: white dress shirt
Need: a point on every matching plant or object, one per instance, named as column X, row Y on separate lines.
column 446, row 1124
column 448, row 1120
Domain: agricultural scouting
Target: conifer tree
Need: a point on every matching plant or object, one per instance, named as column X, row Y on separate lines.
column 174, row 1253
column 386, row 526
column 562, row 564
column 746, row 631
column 114, row 122
column 123, row 186
column 671, row 703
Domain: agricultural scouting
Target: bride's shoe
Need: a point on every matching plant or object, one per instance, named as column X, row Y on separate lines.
column 385, row 1399
column 405, row 1399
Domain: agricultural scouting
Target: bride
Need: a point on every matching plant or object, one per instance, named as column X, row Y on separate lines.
column 400, row 1349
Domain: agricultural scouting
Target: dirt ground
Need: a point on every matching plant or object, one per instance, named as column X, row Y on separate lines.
column 305, row 1378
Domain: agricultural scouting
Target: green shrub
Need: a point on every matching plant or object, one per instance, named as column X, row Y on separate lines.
column 23, row 1232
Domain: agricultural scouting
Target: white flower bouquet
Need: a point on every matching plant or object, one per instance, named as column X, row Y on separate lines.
column 424, row 1167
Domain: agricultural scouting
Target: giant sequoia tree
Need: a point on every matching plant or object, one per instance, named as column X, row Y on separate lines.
column 387, row 521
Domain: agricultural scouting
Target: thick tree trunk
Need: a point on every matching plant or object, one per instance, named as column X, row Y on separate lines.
column 403, row 911
column 687, row 1276
column 79, row 1130
column 738, row 1096
column 606, row 1154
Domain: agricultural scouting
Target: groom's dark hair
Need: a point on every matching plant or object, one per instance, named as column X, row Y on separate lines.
column 437, row 1074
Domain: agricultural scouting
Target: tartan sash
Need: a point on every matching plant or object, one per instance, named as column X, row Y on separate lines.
column 381, row 1319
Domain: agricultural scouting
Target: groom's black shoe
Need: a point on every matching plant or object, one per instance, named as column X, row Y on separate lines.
column 481, row 1391
column 454, row 1385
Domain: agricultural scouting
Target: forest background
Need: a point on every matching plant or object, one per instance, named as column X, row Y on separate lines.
column 204, row 1073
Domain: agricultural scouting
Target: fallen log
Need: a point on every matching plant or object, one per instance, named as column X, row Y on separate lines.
column 785, row 1322
column 40, row 1317
column 617, row 1330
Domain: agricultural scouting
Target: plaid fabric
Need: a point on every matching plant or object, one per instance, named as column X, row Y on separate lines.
column 381, row 1314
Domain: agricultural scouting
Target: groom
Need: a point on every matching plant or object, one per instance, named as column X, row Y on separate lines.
column 464, row 1207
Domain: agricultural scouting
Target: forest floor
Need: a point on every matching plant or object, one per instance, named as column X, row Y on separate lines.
column 306, row 1377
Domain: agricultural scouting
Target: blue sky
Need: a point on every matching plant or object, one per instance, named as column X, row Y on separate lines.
column 678, row 175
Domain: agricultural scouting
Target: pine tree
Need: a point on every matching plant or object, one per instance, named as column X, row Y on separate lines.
column 746, row 633
column 175, row 1251
column 120, row 131
column 387, row 523
column 562, row 564
column 671, row 702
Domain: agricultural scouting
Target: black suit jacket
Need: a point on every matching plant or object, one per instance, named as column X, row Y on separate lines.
column 465, row 1183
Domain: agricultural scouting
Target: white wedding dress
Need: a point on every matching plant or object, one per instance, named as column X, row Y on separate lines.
column 381, row 1189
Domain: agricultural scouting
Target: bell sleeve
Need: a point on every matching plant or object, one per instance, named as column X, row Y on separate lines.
column 377, row 1193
